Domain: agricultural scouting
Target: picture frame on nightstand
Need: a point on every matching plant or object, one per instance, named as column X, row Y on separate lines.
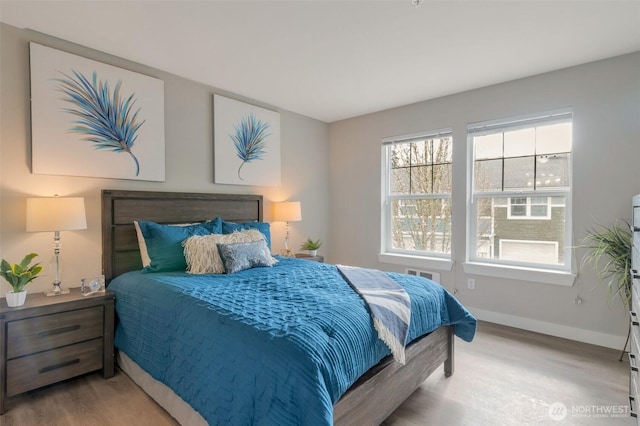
column 94, row 285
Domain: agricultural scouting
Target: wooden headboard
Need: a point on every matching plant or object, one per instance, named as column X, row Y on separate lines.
column 120, row 252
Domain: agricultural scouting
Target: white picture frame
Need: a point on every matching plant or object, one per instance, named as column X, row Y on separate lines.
column 246, row 143
column 73, row 135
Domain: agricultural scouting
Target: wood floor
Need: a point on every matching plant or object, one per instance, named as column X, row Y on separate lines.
column 505, row 377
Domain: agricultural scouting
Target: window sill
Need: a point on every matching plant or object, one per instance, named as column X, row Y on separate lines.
column 416, row 261
column 544, row 276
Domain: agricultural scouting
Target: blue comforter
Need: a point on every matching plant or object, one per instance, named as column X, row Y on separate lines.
column 265, row 346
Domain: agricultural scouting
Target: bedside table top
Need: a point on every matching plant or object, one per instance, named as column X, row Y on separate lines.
column 305, row 256
column 37, row 300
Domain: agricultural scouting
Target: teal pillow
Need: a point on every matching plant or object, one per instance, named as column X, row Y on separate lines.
column 164, row 242
column 237, row 257
column 230, row 228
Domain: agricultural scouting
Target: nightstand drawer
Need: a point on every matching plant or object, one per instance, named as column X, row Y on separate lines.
column 45, row 368
column 36, row 334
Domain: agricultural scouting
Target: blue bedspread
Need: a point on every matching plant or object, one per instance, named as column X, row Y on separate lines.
column 265, row 346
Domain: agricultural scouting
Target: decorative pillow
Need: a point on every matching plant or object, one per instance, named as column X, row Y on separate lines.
column 202, row 255
column 237, row 257
column 230, row 227
column 163, row 243
column 144, row 253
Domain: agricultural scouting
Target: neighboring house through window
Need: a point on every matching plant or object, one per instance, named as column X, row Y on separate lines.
column 521, row 191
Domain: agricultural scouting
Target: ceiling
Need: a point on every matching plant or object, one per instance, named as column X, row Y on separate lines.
column 332, row 60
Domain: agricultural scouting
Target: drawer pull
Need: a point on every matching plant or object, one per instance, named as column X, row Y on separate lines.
column 59, row 330
column 632, row 362
column 57, row 366
column 634, row 318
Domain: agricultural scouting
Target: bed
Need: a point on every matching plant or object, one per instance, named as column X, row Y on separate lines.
column 352, row 397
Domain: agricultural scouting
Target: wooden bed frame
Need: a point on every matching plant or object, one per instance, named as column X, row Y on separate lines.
column 373, row 397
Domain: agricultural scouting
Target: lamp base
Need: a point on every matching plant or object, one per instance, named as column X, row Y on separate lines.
column 56, row 290
column 286, row 253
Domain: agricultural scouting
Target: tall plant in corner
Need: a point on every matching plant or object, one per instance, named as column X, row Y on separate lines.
column 105, row 118
column 250, row 140
column 609, row 254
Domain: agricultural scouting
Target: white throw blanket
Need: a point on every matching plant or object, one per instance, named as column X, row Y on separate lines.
column 388, row 302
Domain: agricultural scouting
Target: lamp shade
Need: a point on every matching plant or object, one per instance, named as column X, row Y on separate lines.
column 55, row 214
column 287, row 211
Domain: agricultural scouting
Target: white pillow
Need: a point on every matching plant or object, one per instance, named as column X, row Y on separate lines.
column 144, row 254
column 201, row 251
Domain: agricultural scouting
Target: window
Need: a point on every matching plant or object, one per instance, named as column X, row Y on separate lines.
column 417, row 194
column 521, row 191
column 529, row 208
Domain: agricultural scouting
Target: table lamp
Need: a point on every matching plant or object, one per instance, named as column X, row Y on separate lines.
column 56, row 214
column 287, row 211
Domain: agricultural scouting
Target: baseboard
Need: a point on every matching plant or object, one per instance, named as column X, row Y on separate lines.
column 570, row 333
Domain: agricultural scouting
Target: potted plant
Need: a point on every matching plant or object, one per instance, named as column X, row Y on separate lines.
column 18, row 275
column 311, row 246
column 609, row 254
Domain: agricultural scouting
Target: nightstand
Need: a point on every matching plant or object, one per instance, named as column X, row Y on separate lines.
column 51, row 339
column 305, row 256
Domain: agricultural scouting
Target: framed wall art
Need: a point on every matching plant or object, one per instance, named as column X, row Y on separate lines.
column 246, row 143
column 93, row 119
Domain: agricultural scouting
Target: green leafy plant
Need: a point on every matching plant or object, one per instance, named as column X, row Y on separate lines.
column 311, row 245
column 609, row 255
column 18, row 275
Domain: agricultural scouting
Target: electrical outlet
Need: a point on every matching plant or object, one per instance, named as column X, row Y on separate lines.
column 471, row 284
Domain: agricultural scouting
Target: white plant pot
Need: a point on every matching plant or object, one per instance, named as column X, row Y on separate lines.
column 313, row 253
column 16, row 299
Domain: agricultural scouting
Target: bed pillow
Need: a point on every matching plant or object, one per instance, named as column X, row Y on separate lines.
column 202, row 254
column 163, row 243
column 237, row 257
column 230, row 227
column 144, row 253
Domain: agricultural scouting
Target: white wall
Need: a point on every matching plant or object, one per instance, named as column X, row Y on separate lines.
column 605, row 97
column 189, row 163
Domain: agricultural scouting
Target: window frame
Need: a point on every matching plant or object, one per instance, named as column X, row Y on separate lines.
column 388, row 253
column 560, row 274
column 528, row 205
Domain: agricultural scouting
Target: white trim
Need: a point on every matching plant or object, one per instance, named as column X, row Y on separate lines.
column 435, row 134
column 551, row 329
column 543, row 276
column 520, row 122
column 416, row 261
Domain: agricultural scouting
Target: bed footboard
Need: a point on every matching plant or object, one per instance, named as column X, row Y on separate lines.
column 387, row 385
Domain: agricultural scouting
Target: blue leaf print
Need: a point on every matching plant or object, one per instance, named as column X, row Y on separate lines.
column 250, row 140
column 104, row 117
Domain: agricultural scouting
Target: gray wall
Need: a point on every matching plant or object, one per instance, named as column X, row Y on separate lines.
column 605, row 97
column 189, row 163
